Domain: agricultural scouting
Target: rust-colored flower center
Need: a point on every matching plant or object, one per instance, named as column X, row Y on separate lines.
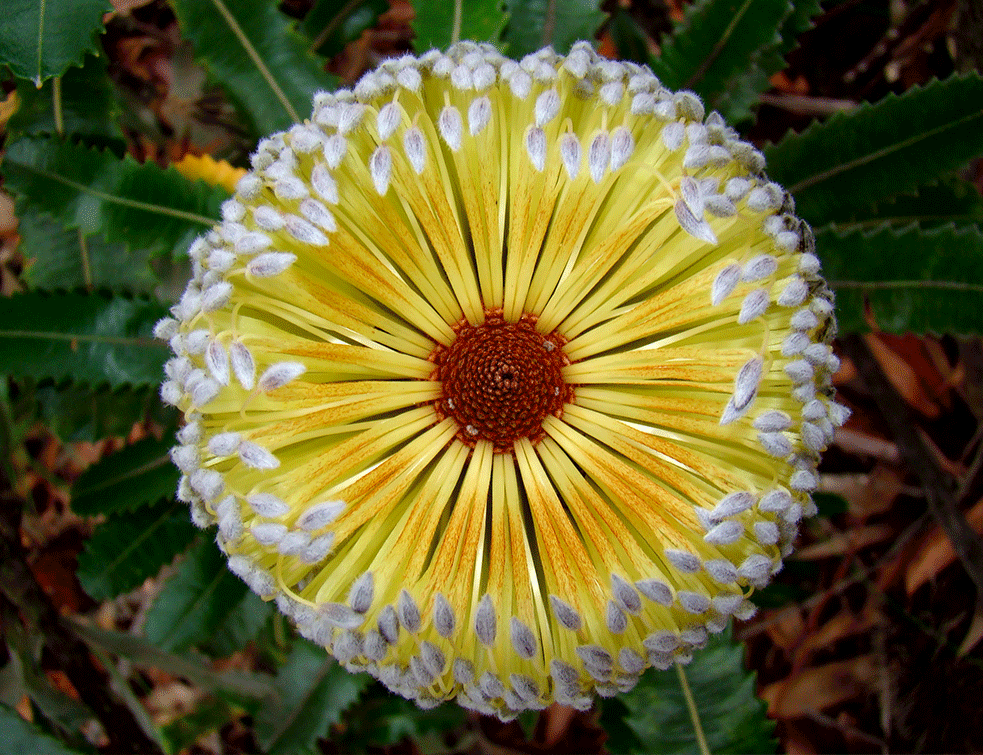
column 500, row 380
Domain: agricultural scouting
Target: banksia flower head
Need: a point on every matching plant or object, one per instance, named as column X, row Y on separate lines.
column 506, row 380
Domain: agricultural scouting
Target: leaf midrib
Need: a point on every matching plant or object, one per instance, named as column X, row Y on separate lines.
column 190, row 610
column 254, row 56
column 289, row 720
column 150, row 466
column 718, row 48
column 905, row 284
column 45, row 335
column 121, row 201
column 144, row 535
column 41, row 11
column 878, row 154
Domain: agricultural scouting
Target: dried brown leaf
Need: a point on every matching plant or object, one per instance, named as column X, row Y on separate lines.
column 820, row 687
column 973, row 636
column 852, row 540
column 867, row 494
column 843, row 624
column 787, row 630
column 902, row 374
column 935, row 552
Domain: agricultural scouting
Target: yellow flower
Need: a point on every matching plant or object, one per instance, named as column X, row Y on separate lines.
column 506, row 380
column 211, row 171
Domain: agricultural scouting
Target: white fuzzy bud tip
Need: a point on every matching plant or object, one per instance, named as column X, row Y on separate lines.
column 279, row 374
column 320, row 515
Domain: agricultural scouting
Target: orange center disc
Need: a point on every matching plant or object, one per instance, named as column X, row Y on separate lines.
column 501, row 380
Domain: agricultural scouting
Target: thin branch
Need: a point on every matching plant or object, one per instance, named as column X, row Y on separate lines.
column 941, row 489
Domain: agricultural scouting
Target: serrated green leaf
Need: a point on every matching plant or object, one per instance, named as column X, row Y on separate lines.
column 731, row 716
column 142, row 206
column 332, row 24
column 312, row 691
column 24, row 648
column 439, row 23
column 83, row 414
column 60, row 259
column 209, row 714
column 138, row 475
column 382, row 719
column 241, row 626
column 120, row 685
column 877, row 151
column 22, row 738
column 537, row 23
column 40, row 39
column 743, row 89
column 250, row 49
column 951, row 200
column 718, row 41
column 911, row 280
column 128, row 548
column 195, row 601
column 87, row 106
column 87, row 338
column 190, row 666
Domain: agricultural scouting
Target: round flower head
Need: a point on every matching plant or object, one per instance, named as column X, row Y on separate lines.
column 507, row 380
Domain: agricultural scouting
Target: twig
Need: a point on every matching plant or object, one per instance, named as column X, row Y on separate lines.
column 844, row 728
column 941, row 489
column 802, row 104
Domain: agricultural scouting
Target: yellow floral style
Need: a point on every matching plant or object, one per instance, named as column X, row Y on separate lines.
column 506, row 380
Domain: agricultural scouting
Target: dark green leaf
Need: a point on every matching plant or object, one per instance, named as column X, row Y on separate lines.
column 527, row 722
column 830, row 504
column 537, row 23
column 143, row 206
column 382, row 719
column 877, row 151
column 210, row 714
column 621, row 738
column 136, row 476
column 332, row 24
column 951, row 200
column 312, row 691
column 88, row 338
column 65, row 259
column 440, row 23
column 195, row 601
column 88, row 106
column 717, row 43
column 119, row 683
column 39, row 40
column 731, row 716
column 630, row 39
column 799, row 580
column 21, row 738
column 194, row 668
column 250, row 49
column 84, row 414
column 743, row 89
column 911, row 280
column 128, row 548
column 241, row 626
column 24, row 648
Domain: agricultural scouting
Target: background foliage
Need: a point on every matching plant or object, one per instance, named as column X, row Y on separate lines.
column 107, row 206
